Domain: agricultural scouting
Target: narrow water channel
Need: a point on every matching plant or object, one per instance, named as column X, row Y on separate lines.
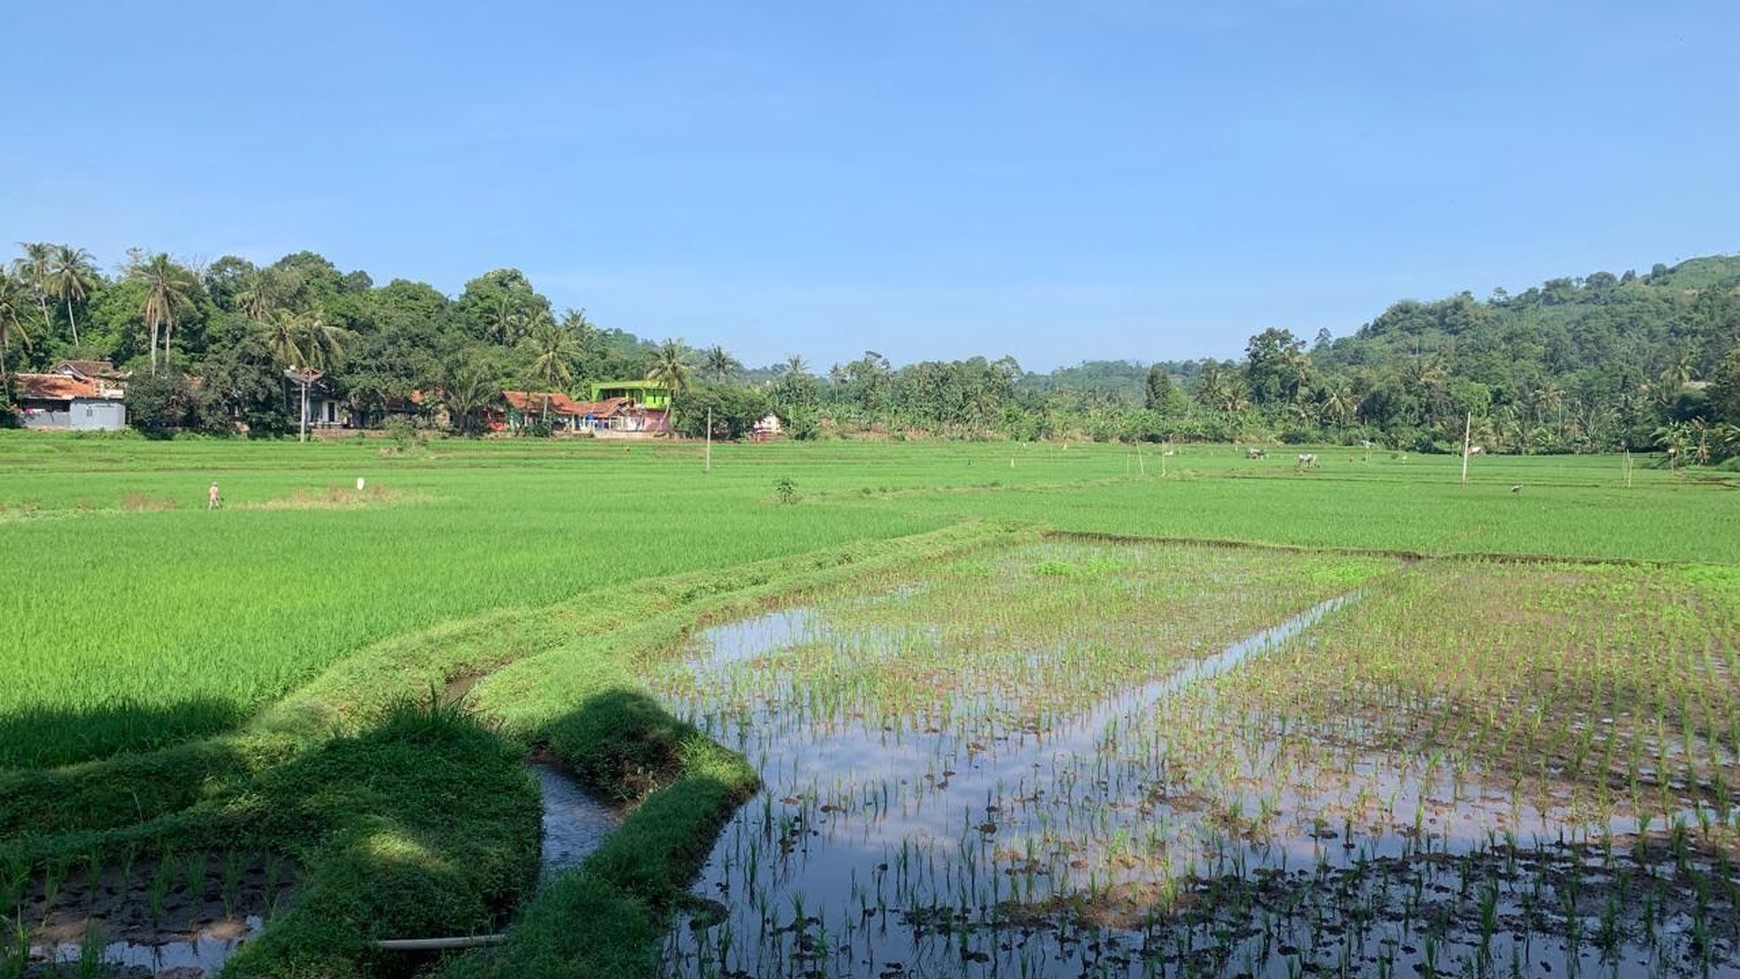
column 575, row 822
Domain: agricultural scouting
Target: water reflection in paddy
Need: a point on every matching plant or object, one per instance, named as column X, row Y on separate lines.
column 971, row 832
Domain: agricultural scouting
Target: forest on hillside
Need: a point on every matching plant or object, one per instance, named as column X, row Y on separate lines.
column 1578, row 364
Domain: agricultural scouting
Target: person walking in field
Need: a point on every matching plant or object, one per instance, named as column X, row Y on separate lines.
column 211, row 498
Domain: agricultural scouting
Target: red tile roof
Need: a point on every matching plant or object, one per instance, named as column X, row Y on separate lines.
column 608, row 408
column 561, row 404
column 538, row 400
column 90, row 369
column 53, row 387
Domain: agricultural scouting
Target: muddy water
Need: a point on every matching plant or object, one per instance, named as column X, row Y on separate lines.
column 975, row 845
column 202, row 953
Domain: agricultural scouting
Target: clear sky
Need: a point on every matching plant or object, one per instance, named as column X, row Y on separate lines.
column 1059, row 181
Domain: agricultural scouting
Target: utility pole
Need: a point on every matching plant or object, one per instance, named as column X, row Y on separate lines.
column 1467, row 436
column 707, row 466
column 303, row 376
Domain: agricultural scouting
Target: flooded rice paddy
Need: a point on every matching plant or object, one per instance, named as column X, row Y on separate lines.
column 177, row 915
column 1075, row 759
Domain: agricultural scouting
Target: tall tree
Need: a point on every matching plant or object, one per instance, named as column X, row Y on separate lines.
column 72, row 276
column 1275, row 366
column 281, row 332
column 670, row 366
column 795, row 387
column 556, row 351
column 1158, row 393
column 169, row 291
column 717, row 363
column 322, row 342
column 13, row 299
column 36, row 268
column 469, row 388
column 261, row 291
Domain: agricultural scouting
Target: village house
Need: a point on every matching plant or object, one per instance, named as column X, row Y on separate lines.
column 613, row 416
column 647, row 412
column 82, row 395
column 769, row 427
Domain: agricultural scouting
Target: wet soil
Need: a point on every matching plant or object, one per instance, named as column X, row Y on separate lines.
column 186, row 912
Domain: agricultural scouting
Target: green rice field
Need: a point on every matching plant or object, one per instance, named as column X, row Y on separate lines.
column 879, row 709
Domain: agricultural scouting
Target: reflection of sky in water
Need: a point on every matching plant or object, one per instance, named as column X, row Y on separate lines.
column 737, row 642
column 575, row 823
column 207, row 950
column 858, row 821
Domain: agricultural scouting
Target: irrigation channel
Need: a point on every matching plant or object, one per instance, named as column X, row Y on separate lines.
column 985, row 843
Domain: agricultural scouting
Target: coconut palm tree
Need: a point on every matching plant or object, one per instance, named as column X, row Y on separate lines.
column 1211, row 391
column 718, row 363
column 13, row 297
column 1728, row 436
column 257, row 295
column 510, row 321
column 468, row 390
column 169, row 289
column 72, row 276
column 556, row 350
column 322, row 343
column 1340, row 403
column 670, row 366
column 281, row 331
column 35, row 269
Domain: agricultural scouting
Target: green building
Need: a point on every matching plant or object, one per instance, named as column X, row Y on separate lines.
column 647, row 394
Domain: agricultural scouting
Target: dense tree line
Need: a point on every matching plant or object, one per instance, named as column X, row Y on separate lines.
column 1575, row 365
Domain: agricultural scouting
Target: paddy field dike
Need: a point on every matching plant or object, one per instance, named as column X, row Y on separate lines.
column 863, row 709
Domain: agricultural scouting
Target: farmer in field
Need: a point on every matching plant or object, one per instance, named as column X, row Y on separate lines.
column 211, row 497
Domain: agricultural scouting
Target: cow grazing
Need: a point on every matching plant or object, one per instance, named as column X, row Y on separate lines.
column 1307, row 460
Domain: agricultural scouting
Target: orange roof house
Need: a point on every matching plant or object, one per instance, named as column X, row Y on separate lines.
column 63, row 400
column 614, row 416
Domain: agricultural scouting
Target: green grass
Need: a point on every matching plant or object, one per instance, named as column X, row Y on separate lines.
column 183, row 679
column 140, row 620
column 412, row 823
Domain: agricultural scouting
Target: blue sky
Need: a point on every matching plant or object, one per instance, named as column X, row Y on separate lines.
column 1058, row 181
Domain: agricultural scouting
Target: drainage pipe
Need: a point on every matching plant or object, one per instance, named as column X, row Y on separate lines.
column 434, row 944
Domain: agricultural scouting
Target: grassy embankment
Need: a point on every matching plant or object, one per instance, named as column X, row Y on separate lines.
column 405, row 804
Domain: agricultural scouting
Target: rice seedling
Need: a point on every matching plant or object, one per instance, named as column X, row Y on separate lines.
column 1338, row 791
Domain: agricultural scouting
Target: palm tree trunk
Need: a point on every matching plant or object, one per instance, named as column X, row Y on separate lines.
column 154, row 348
column 72, row 322
column 42, row 303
